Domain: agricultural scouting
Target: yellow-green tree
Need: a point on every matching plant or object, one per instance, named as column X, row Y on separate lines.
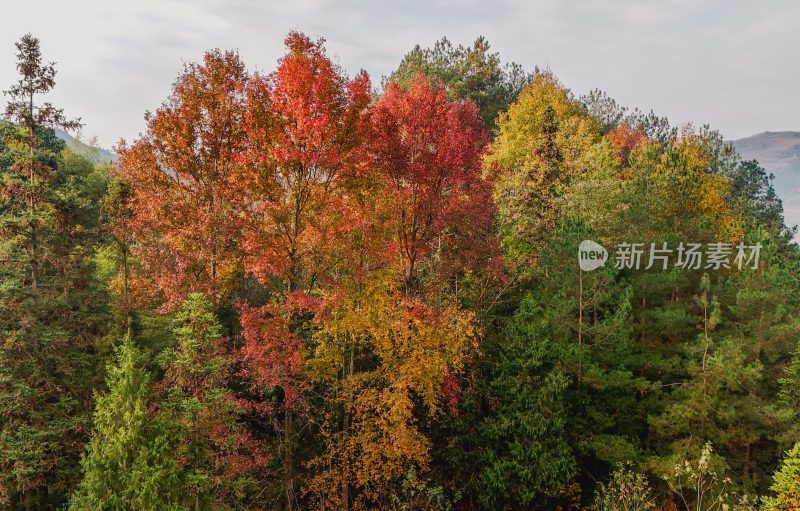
column 543, row 145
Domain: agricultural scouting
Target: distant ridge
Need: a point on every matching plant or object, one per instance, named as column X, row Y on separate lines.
column 779, row 153
column 96, row 154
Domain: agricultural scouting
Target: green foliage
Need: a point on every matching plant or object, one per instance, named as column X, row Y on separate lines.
column 128, row 464
column 221, row 463
column 54, row 309
column 786, row 484
column 526, row 453
column 417, row 494
column 473, row 73
column 376, row 349
column 753, row 196
column 660, row 362
column 178, row 448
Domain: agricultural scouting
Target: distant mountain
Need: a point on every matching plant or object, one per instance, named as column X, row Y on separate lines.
column 779, row 153
column 96, row 154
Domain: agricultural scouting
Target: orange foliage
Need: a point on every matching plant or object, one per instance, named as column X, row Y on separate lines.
column 625, row 138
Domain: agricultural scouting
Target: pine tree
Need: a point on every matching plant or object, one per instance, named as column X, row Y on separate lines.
column 526, row 453
column 466, row 72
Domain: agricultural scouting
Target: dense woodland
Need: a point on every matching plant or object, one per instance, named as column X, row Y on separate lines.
column 303, row 290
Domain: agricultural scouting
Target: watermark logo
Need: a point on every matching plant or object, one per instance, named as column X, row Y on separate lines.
column 591, row 255
column 662, row 256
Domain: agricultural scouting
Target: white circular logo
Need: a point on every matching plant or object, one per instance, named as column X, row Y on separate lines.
column 591, row 255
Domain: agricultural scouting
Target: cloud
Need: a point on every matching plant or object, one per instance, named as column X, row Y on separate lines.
column 730, row 64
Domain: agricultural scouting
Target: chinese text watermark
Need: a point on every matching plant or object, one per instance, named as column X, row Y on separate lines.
column 662, row 256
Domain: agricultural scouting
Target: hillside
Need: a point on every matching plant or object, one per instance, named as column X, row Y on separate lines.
column 779, row 153
column 95, row 153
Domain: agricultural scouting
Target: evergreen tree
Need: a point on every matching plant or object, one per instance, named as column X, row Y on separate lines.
column 786, row 484
column 180, row 447
column 526, row 452
column 36, row 79
column 221, row 463
column 471, row 72
column 126, row 466
column 53, row 308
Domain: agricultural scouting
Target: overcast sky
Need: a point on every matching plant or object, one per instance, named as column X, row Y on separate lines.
column 732, row 64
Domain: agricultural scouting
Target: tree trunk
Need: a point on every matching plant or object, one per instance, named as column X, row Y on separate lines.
column 34, row 256
column 288, row 463
column 580, row 324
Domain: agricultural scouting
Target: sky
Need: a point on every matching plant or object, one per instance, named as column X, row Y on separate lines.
column 731, row 64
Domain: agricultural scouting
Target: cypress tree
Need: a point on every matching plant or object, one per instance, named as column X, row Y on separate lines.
column 127, row 465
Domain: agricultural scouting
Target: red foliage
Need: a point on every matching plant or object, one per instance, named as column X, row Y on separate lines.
column 179, row 173
column 272, row 352
column 625, row 138
column 304, row 128
column 428, row 150
column 302, row 151
column 349, row 216
column 451, row 392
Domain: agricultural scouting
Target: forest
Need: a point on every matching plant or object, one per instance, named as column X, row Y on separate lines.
column 303, row 290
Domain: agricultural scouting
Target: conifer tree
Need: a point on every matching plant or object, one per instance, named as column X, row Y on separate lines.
column 126, row 466
column 786, row 484
column 527, row 422
column 221, row 463
column 52, row 306
column 178, row 446
column 466, row 72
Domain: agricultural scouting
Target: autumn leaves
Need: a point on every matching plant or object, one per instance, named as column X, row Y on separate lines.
column 341, row 227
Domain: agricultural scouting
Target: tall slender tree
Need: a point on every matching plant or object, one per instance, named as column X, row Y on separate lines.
column 52, row 306
column 36, row 78
column 305, row 136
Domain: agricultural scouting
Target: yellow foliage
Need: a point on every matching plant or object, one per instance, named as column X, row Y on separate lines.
column 542, row 146
column 392, row 354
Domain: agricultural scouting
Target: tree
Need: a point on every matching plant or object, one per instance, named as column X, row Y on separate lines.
column 124, row 451
column 472, row 73
column 753, row 197
column 305, row 129
column 305, row 126
column 54, row 309
column 180, row 177
column 427, row 151
column 36, row 78
column 393, row 336
column 181, row 446
column 115, row 219
column 786, row 484
column 608, row 113
column 586, row 317
column 543, row 145
column 222, row 464
column 527, row 454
